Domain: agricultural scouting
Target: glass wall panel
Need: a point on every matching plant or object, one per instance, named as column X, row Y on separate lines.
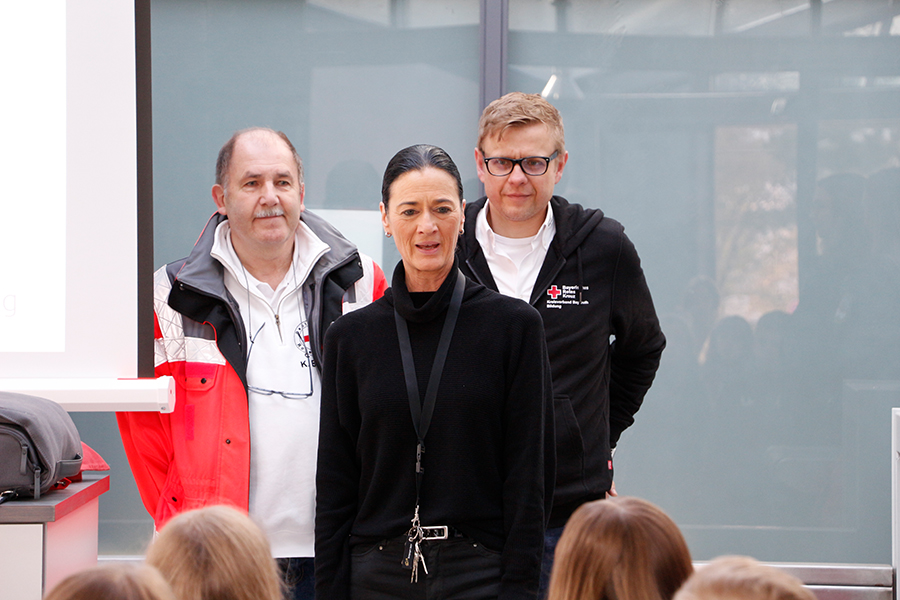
column 350, row 83
column 751, row 149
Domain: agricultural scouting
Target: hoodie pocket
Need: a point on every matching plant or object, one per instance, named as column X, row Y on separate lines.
column 569, row 443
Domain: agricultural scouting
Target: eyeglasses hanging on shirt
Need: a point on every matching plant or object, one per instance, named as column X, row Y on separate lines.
column 301, row 384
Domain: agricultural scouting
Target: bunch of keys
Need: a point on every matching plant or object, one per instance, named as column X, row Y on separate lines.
column 412, row 552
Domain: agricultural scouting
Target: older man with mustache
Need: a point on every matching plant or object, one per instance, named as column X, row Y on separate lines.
column 240, row 325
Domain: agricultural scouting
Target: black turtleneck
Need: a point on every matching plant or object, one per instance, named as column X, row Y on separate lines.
column 489, row 450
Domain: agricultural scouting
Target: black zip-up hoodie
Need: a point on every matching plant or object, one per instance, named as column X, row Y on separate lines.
column 603, row 337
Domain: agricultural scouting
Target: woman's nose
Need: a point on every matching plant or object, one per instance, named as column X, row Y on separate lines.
column 426, row 223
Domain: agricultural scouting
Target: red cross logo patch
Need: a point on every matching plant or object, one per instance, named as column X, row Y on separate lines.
column 554, row 291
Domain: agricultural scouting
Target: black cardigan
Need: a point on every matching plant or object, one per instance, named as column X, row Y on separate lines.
column 489, row 460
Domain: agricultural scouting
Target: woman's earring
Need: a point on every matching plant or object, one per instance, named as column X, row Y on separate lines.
column 387, row 234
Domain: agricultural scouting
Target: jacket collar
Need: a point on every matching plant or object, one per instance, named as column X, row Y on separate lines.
column 204, row 274
column 573, row 224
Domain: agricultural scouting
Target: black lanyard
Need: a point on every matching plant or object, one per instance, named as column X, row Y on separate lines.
column 422, row 411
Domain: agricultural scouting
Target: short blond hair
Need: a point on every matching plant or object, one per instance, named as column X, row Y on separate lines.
column 116, row 581
column 216, row 553
column 742, row 578
column 517, row 109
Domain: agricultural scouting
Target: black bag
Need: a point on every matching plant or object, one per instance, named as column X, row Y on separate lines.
column 39, row 445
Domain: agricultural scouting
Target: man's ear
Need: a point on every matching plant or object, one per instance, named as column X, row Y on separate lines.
column 479, row 164
column 302, row 196
column 560, row 165
column 218, row 194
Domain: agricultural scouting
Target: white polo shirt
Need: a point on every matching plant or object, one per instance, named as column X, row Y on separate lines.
column 514, row 262
column 284, row 394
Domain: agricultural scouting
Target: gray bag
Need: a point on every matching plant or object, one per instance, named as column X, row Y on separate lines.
column 39, row 445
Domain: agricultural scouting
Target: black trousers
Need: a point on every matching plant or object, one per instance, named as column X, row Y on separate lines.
column 298, row 575
column 458, row 569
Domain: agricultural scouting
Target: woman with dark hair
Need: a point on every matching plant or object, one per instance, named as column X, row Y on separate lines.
column 442, row 363
column 621, row 548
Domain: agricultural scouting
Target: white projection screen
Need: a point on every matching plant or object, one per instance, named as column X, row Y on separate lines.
column 69, row 204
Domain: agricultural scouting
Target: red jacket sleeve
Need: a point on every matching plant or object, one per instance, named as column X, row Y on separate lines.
column 146, row 437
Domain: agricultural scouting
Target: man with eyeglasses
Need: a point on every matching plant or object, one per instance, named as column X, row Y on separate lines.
column 577, row 267
column 240, row 325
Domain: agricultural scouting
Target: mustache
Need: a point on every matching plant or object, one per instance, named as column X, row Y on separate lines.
column 275, row 211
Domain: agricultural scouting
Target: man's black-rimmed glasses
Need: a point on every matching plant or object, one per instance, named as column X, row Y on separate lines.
column 499, row 166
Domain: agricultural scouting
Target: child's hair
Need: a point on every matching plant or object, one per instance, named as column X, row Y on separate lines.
column 216, row 553
column 622, row 548
column 742, row 578
column 117, row 581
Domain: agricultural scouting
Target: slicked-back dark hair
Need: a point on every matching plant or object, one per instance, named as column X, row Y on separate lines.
column 223, row 163
column 417, row 158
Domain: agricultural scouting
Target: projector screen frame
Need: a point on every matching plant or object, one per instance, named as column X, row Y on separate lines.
column 144, row 121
